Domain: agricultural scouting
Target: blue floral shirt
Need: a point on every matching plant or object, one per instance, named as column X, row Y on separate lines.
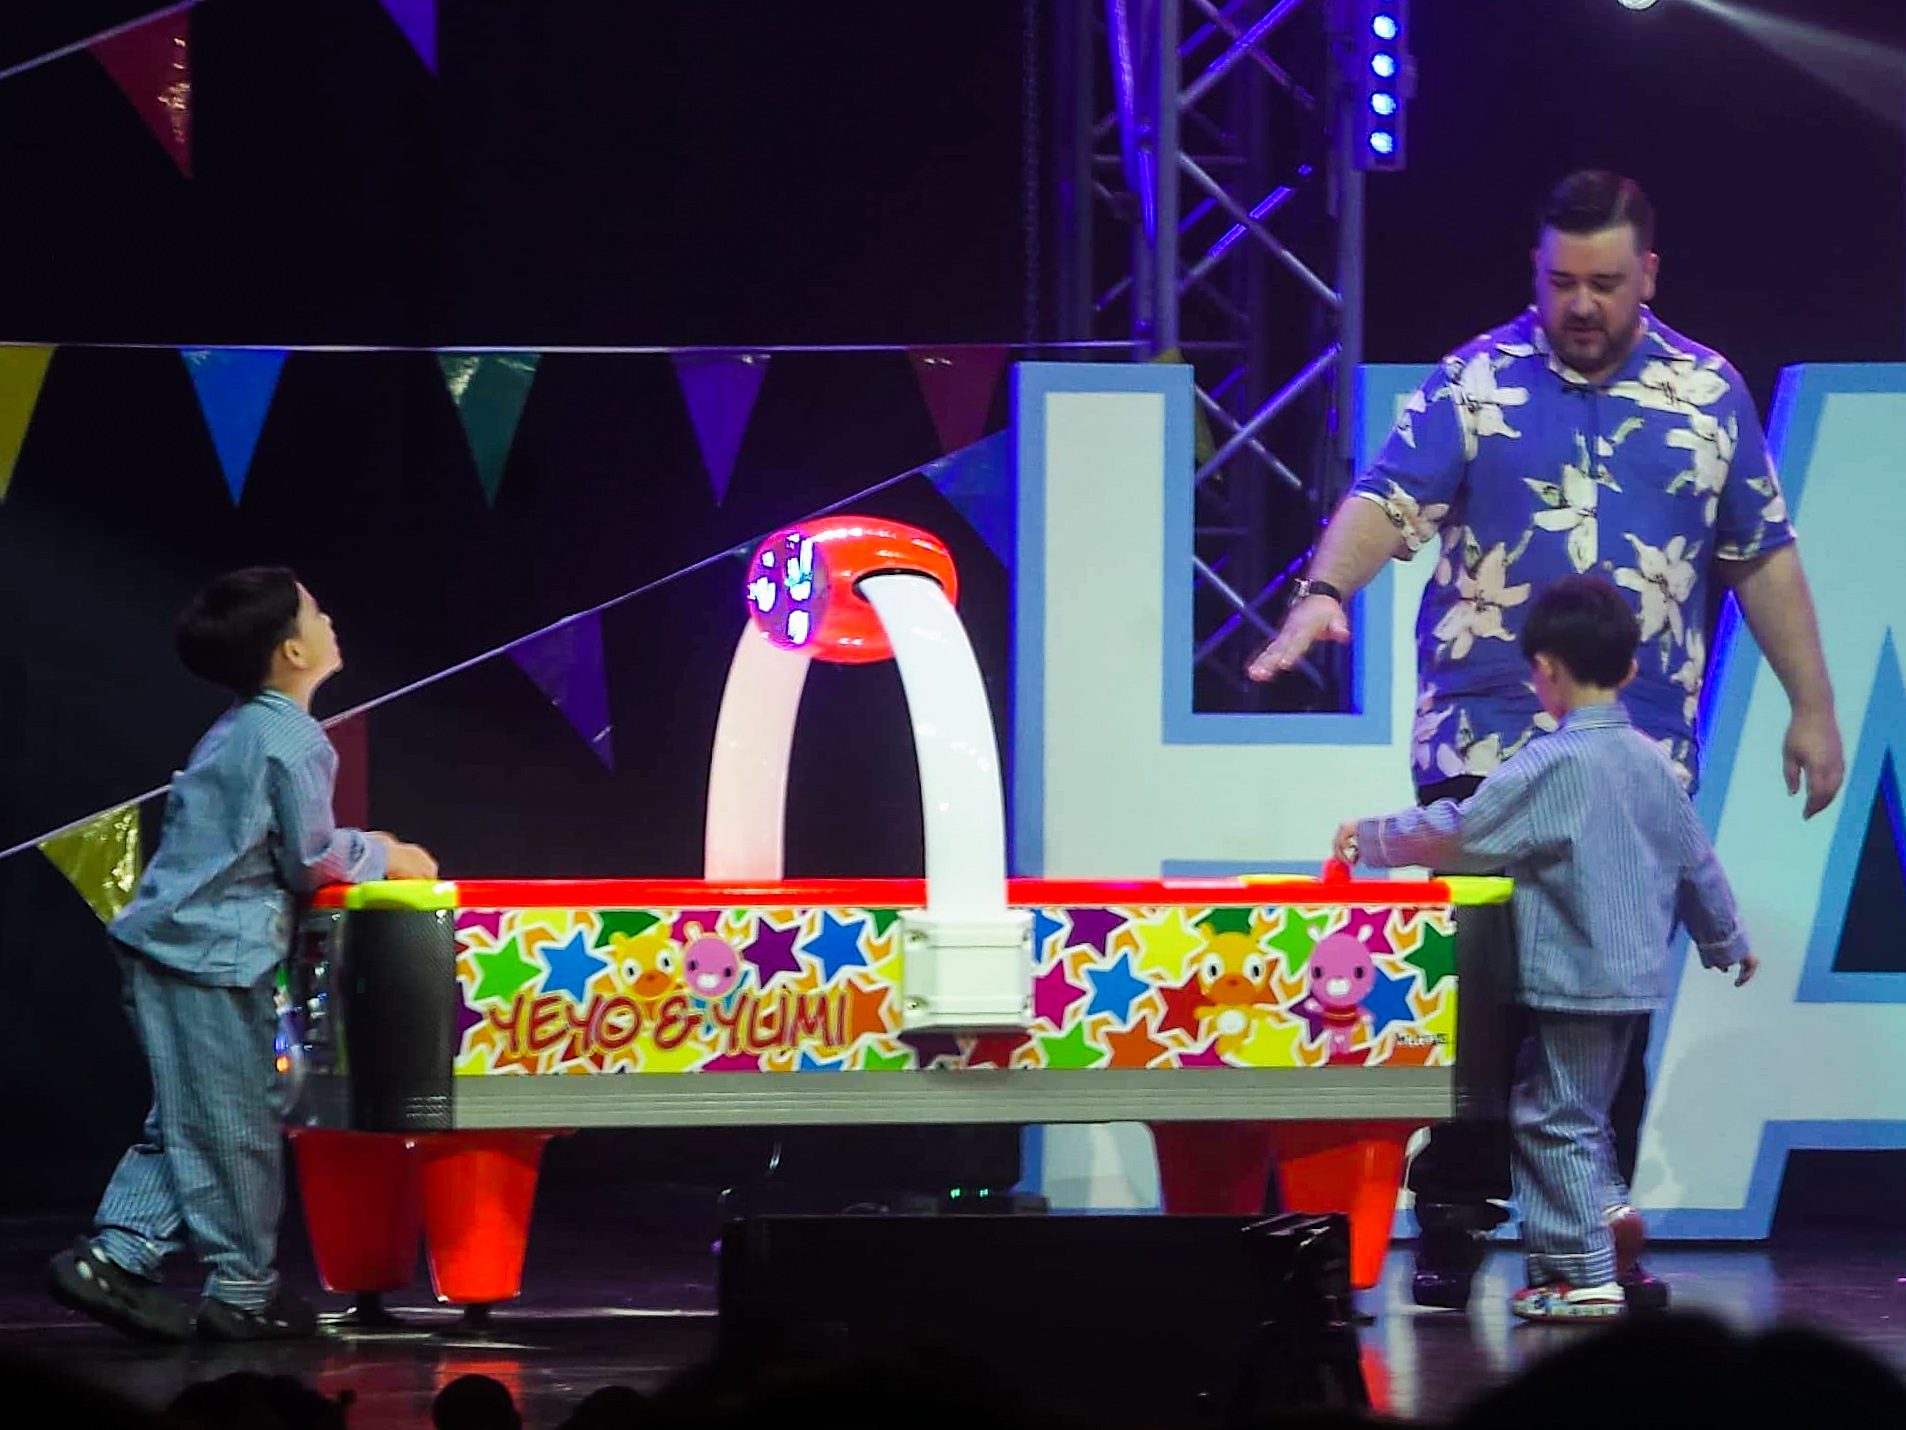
column 1523, row 472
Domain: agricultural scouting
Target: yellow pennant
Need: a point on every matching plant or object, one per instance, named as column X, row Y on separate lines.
column 22, row 370
column 101, row 859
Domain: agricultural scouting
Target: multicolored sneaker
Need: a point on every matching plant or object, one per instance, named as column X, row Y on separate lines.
column 1559, row 1301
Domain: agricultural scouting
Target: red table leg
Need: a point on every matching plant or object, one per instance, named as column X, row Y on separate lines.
column 1352, row 1167
column 478, row 1189
column 1221, row 1168
column 360, row 1207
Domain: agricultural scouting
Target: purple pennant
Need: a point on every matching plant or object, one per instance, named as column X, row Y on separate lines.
column 566, row 663
column 720, row 390
column 418, row 20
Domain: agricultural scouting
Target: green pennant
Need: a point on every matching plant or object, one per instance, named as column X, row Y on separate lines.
column 489, row 390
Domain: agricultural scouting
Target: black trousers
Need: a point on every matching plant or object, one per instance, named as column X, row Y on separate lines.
column 1466, row 1162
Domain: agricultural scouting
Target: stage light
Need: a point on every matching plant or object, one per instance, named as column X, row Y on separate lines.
column 1639, row 4
column 1383, row 79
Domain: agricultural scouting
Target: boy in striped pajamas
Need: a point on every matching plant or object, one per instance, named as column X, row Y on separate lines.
column 248, row 827
column 1608, row 857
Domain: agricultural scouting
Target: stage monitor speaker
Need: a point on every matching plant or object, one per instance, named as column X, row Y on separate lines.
column 1117, row 1320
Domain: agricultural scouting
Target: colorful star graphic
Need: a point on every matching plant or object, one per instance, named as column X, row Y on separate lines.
column 866, row 1010
column 733, row 1063
column 837, row 945
column 1166, row 946
column 1092, row 927
column 1273, row 1043
column 1071, row 1050
column 1298, row 936
column 708, row 920
column 1388, row 1001
column 1114, row 988
column 1233, row 918
column 489, row 921
column 1371, row 928
column 876, row 1061
column 627, row 922
column 995, row 1050
column 680, row 1058
column 772, row 952
column 884, row 919
column 810, row 1063
column 1135, row 1047
column 1053, row 993
column 1181, row 1007
column 1044, row 926
column 1206, row 1057
column 571, row 966
column 467, row 1018
column 1434, row 957
column 930, row 1048
column 503, row 972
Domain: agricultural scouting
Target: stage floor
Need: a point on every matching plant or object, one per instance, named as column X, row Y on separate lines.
column 634, row 1311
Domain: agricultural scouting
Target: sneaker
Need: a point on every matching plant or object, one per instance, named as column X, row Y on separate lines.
column 1559, row 1301
column 1451, row 1246
column 83, row 1280
column 286, row 1317
column 1644, row 1292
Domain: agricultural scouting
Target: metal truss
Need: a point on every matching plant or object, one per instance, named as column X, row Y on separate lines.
column 1209, row 208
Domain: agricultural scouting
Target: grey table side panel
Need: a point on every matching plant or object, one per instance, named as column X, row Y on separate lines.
column 964, row 1096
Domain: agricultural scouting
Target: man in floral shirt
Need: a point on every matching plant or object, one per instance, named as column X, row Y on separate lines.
column 1583, row 436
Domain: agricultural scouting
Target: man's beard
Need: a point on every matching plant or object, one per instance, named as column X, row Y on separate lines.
column 1590, row 349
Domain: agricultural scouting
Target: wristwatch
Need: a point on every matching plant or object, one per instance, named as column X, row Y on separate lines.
column 1306, row 588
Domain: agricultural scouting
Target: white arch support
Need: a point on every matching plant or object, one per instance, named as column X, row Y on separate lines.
column 968, row 957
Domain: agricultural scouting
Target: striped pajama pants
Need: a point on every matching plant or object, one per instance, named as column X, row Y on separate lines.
column 1563, row 1162
column 207, row 1173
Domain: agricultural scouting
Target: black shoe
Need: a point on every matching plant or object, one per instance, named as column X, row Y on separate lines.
column 1449, row 1252
column 85, row 1281
column 1644, row 1293
column 285, row 1318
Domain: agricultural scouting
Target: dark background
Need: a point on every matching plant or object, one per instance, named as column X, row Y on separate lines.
column 721, row 173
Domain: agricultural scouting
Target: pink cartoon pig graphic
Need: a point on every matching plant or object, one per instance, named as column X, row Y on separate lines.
column 710, row 967
column 1341, row 976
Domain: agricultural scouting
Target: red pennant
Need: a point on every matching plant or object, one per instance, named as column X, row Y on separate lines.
column 352, row 740
column 958, row 385
column 152, row 65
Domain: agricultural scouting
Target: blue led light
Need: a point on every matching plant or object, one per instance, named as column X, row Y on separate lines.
column 1383, row 142
column 1384, row 104
column 1384, row 66
column 1385, row 27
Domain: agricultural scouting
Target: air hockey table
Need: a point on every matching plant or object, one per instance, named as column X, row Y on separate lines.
column 442, row 1032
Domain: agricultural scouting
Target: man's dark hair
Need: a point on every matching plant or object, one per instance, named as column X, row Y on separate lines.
column 1586, row 624
column 228, row 633
column 1595, row 199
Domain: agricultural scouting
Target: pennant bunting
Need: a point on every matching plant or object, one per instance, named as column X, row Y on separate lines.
column 720, row 390
column 489, row 390
column 978, row 481
column 235, row 386
column 958, row 385
column 102, row 859
column 567, row 665
column 1203, row 448
column 351, row 799
column 151, row 64
column 418, row 20
column 22, row 372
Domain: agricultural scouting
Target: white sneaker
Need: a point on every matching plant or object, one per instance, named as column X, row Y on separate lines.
column 1559, row 1301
